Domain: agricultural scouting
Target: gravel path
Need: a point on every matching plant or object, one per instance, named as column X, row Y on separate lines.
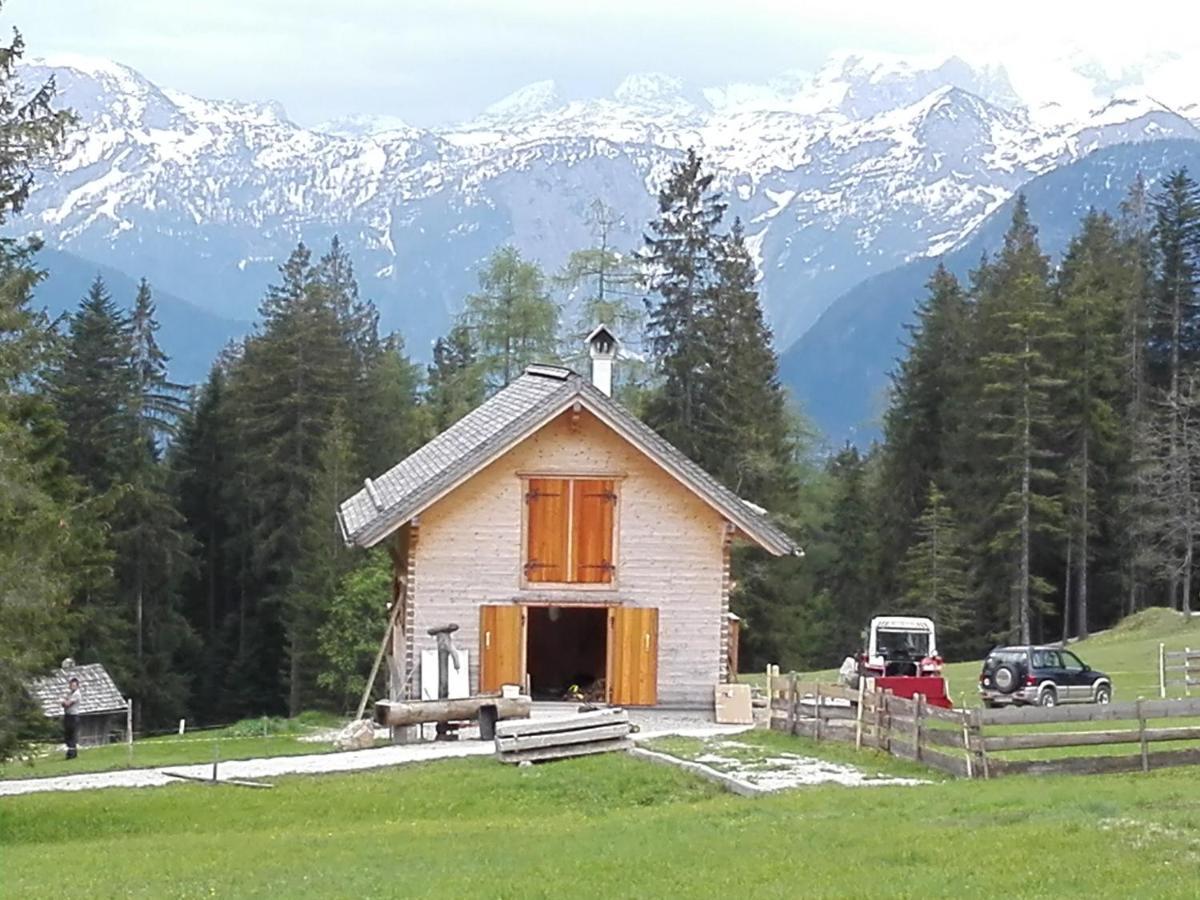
column 653, row 723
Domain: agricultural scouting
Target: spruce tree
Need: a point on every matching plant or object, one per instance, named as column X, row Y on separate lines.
column 681, row 257
column 1092, row 284
column 934, row 575
column 455, row 381
column 1175, row 342
column 927, row 409
column 752, row 447
column 1020, row 330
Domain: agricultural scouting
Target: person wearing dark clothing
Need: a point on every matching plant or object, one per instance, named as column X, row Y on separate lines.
column 70, row 705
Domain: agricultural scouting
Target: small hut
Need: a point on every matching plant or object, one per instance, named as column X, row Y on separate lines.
column 102, row 708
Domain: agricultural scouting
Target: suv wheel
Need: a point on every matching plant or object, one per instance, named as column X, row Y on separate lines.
column 1049, row 697
column 1005, row 678
column 1104, row 694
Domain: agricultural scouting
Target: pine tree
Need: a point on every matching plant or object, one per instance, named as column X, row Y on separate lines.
column 1092, row 283
column 934, row 575
column 95, row 390
column 922, row 424
column 322, row 561
column 44, row 531
column 1136, row 225
column 391, row 423
column 455, row 382
column 512, row 320
column 1019, row 332
column 681, row 257
column 205, row 487
column 160, row 402
column 1175, row 342
column 752, row 448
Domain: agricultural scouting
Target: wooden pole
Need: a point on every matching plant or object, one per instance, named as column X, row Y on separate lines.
column 966, row 736
column 216, row 756
column 362, row 703
column 1162, row 671
column 793, row 704
column 129, row 727
column 878, row 719
column 918, row 714
column 1142, row 736
column 1187, row 688
column 858, row 719
column 977, row 728
column 817, row 712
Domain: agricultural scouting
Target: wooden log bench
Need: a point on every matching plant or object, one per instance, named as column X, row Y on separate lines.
column 602, row 731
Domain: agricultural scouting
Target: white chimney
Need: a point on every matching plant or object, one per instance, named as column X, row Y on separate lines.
column 602, row 347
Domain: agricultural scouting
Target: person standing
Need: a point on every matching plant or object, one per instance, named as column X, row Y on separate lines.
column 71, row 704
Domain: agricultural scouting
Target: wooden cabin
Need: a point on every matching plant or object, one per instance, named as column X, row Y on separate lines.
column 102, row 708
column 578, row 551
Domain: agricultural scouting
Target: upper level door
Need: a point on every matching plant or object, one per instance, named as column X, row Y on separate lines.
column 501, row 646
column 633, row 655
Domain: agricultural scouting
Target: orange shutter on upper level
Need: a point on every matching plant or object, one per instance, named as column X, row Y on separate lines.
column 593, row 504
column 548, row 502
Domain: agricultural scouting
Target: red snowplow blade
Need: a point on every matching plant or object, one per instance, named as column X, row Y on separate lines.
column 908, row 686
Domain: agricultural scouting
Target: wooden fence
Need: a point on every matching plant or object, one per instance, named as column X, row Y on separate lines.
column 965, row 742
column 1178, row 668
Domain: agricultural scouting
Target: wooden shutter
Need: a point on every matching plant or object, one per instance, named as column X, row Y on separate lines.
column 548, row 503
column 633, row 656
column 501, row 646
column 593, row 505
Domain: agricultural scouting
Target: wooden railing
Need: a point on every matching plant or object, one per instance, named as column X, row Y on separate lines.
column 966, row 742
column 1178, row 668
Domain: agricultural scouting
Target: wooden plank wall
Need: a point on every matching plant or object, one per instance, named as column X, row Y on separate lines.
column 964, row 742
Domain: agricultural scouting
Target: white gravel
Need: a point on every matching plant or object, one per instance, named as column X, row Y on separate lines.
column 653, row 723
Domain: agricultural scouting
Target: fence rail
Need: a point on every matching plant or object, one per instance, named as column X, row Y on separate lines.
column 1178, row 668
column 963, row 742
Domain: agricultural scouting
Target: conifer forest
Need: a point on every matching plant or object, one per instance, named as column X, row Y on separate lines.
column 1037, row 477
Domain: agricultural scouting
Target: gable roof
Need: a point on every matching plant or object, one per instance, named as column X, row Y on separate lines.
column 502, row 422
column 98, row 692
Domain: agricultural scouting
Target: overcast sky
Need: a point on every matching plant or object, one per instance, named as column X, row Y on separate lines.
column 437, row 62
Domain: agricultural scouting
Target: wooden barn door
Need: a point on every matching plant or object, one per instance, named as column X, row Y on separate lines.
column 633, row 656
column 501, row 646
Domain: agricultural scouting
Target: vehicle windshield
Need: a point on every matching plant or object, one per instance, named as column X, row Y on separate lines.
column 902, row 643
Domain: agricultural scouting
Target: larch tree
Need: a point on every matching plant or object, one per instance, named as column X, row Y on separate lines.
column 512, row 320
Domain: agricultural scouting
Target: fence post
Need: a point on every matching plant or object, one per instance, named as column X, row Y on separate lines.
column 129, row 727
column 918, row 714
column 879, row 719
column 817, row 711
column 1162, row 671
column 966, row 736
column 858, row 718
column 887, row 718
column 793, row 704
column 768, row 684
column 216, row 757
column 1187, row 660
column 1142, row 736
column 977, row 728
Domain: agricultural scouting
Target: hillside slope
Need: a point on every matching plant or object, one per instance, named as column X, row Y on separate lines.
column 838, row 370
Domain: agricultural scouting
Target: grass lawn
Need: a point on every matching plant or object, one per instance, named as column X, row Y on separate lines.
column 249, row 739
column 609, row 826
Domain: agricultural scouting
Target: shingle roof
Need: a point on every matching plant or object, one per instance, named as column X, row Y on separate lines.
column 523, row 407
column 98, row 692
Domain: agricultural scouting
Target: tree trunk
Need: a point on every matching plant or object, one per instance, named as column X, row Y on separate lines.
column 1085, row 509
column 1066, row 615
column 1023, row 604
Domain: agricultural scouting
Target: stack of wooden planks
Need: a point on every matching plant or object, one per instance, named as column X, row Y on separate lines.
column 538, row 740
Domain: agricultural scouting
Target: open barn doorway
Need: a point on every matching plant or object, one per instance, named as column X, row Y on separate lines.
column 567, row 652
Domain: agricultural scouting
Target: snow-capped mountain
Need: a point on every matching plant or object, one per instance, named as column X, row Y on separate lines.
column 839, row 175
